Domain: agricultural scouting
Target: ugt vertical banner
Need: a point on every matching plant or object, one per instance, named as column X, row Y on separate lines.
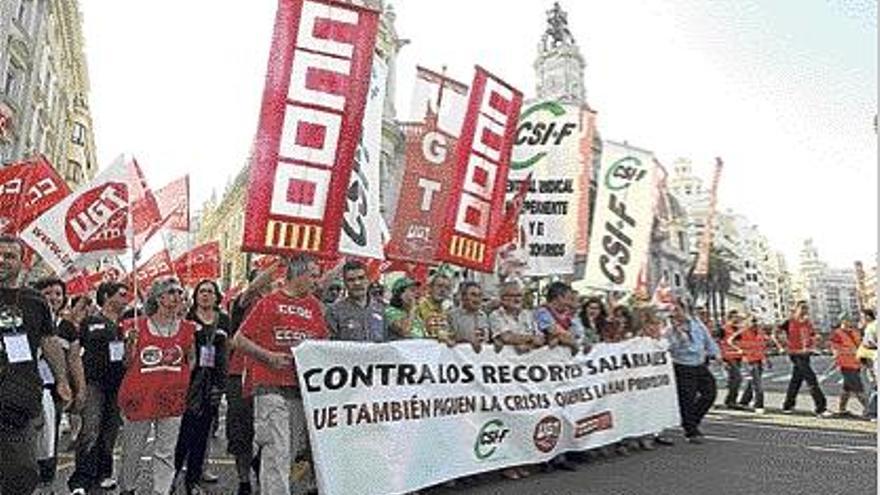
column 623, row 218
column 310, row 124
column 481, row 167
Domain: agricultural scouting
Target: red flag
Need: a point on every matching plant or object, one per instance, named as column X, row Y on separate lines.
column 199, row 263
column 144, row 209
column 172, row 202
column 428, row 175
column 481, row 168
column 158, row 266
column 310, row 124
column 93, row 221
column 509, row 229
column 27, row 190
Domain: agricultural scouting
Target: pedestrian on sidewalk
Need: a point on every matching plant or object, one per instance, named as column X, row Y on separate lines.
column 844, row 343
column 800, row 338
column 159, row 357
column 867, row 353
column 753, row 345
column 691, row 347
column 731, row 355
column 206, row 384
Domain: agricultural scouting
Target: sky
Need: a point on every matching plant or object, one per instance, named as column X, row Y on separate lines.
column 784, row 91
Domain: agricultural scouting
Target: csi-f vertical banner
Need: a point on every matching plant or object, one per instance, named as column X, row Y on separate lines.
column 362, row 222
column 622, row 221
column 482, row 162
column 548, row 147
column 310, row 124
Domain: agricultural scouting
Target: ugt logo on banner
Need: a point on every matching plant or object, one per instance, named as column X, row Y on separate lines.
column 310, row 124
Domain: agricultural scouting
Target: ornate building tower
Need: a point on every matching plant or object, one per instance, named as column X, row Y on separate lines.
column 559, row 68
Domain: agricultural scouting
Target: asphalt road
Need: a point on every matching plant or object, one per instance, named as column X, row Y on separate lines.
column 744, row 454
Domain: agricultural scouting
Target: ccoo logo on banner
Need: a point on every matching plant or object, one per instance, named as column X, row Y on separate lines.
column 310, row 123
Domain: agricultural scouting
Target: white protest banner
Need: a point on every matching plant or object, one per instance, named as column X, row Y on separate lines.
column 622, row 221
column 382, row 415
column 548, row 147
column 362, row 220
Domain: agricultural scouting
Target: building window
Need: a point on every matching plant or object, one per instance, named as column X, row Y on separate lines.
column 23, row 13
column 681, row 241
column 79, row 134
column 677, row 280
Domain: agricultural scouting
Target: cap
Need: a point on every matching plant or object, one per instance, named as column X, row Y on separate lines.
column 402, row 284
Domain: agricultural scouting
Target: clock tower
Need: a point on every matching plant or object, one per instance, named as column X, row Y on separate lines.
column 560, row 66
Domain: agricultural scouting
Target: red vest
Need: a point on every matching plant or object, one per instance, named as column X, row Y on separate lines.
column 278, row 323
column 845, row 344
column 800, row 336
column 754, row 345
column 728, row 353
column 157, row 377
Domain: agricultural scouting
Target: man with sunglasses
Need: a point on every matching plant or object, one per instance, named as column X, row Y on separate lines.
column 103, row 350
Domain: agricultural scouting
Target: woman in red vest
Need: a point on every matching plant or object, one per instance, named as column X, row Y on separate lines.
column 753, row 347
column 153, row 392
column 844, row 342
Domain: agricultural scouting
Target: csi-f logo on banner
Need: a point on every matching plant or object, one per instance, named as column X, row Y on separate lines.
column 617, row 242
column 541, row 126
column 490, row 436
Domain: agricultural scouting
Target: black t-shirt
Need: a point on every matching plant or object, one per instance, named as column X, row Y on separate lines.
column 23, row 311
column 98, row 334
column 68, row 332
column 207, row 376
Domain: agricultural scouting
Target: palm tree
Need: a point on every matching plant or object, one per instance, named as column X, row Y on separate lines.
column 714, row 286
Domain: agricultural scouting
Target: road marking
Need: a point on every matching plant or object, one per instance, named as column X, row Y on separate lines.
column 830, row 449
column 721, row 439
column 755, row 424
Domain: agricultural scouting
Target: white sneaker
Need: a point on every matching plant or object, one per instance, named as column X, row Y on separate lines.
column 78, row 491
column 759, row 410
column 107, row 484
column 825, row 414
column 787, row 411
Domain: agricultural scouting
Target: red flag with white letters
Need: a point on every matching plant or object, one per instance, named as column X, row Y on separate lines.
column 94, row 221
column 199, row 263
column 429, row 171
column 310, row 124
column 481, row 167
column 157, row 266
column 27, row 190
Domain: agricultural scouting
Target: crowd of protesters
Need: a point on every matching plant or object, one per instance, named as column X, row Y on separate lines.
column 167, row 366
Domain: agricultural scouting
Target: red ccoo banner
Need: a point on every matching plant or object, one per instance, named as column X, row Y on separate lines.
column 310, row 123
column 481, row 167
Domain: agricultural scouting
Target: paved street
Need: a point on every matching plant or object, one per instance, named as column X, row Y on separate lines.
column 744, row 454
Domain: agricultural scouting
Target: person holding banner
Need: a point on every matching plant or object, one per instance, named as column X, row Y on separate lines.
column 356, row 317
column 468, row 322
column 691, row 347
column 432, row 310
column 275, row 326
column 401, row 318
column 103, row 353
column 594, row 319
column 511, row 324
column 159, row 358
column 554, row 319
